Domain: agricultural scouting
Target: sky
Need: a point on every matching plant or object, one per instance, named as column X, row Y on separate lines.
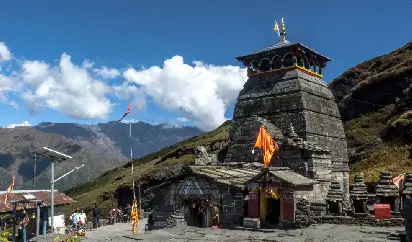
column 82, row 61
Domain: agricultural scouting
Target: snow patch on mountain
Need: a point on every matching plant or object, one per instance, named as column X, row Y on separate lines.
column 24, row 124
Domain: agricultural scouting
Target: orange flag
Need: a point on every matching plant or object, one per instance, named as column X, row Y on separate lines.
column 127, row 112
column 266, row 144
column 9, row 191
column 398, row 180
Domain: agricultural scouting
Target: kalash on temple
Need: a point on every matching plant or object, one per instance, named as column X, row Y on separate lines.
column 286, row 96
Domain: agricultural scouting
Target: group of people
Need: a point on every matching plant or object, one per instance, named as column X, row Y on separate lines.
column 121, row 214
column 79, row 219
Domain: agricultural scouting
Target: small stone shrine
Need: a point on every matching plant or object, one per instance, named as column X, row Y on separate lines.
column 359, row 195
column 387, row 192
column 407, row 186
column 334, row 199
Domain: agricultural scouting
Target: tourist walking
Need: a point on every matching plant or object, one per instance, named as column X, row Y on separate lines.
column 96, row 217
column 74, row 219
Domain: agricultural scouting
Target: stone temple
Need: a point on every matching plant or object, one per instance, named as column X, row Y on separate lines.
column 286, row 94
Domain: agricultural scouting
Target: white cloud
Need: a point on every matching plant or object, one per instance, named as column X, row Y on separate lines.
column 5, row 54
column 107, row 73
column 200, row 93
column 65, row 87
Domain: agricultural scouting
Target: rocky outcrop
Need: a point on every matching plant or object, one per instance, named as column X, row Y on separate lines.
column 375, row 83
column 203, row 158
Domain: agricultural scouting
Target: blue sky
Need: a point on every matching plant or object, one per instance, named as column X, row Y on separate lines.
column 135, row 34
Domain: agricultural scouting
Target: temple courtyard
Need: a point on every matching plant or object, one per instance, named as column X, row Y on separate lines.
column 321, row 232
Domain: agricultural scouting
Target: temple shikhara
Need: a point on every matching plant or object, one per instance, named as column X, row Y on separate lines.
column 286, row 94
column 287, row 157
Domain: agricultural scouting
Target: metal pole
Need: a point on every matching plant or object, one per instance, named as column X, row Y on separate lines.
column 140, row 201
column 24, row 233
column 45, row 219
column 14, row 222
column 34, row 171
column 131, row 145
column 37, row 219
column 52, row 197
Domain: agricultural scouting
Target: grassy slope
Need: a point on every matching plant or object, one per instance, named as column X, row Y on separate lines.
column 101, row 190
column 390, row 155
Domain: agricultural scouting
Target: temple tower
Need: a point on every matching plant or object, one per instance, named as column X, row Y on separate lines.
column 285, row 87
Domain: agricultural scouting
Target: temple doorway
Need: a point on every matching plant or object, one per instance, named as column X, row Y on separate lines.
column 333, row 207
column 272, row 210
column 195, row 215
column 358, row 206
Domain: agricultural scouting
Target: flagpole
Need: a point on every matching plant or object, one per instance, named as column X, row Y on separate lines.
column 131, row 156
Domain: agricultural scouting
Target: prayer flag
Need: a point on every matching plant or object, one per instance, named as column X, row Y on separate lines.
column 9, row 191
column 398, row 180
column 127, row 112
column 276, row 28
column 135, row 217
column 266, row 144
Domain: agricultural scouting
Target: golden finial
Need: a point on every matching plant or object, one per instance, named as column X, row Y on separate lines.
column 282, row 38
column 283, row 25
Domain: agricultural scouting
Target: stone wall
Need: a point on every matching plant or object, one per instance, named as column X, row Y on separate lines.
column 363, row 220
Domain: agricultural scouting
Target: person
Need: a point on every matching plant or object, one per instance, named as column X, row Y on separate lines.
column 75, row 219
column 129, row 211
column 96, row 216
column 83, row 217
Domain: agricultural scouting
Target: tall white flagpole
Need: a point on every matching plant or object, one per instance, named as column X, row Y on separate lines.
column 131, row 156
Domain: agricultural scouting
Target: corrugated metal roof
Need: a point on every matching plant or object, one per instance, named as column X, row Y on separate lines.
column 59, row 199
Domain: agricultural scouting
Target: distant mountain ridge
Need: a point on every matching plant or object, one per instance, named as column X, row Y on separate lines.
column 101, row 147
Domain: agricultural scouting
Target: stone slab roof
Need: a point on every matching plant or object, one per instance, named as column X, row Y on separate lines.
column 237, row 177
column 285, row 174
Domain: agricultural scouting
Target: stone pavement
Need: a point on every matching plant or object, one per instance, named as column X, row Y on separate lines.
column 105, row 233
column 322, row 232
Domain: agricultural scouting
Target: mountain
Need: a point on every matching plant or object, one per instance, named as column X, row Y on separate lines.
column 374, row 99
column 101, row 147
column 24, row 124
column 375, row 102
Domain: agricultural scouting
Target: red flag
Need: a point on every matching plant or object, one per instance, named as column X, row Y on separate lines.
column 9, row 190
column 127, row 112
